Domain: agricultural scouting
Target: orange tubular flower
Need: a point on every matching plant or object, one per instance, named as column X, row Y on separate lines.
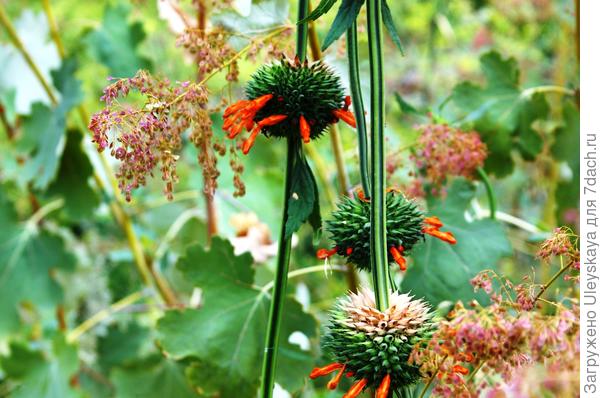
column 325, row 370
column 333, row 383
column 356, row 389
column 304, row 130
column 397, row 255
column 323, row 254
column 433, row 229
column 433, row 221
column 384, row 387
column 346, row 116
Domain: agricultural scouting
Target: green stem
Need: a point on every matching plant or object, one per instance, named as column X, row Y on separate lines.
column 14, row 38
column 547, row 89
column 379, row 263
column 294, row 154
column 551, row 281
column 359, row 109
column 489, row 190
column 279, row 286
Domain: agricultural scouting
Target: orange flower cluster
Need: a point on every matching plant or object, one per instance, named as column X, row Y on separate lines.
column 382, row 391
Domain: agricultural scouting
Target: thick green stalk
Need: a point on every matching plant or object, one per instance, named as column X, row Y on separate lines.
column 279, row 284
column 359, row 108
column 489, row 190
column 294, row 154
column 379, row 263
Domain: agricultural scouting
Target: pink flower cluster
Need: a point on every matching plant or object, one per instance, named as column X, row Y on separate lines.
column 445, row 151
column 562, row 242
column 511, row 347
column 494, row 341
column 150, row 135
column 211, row 50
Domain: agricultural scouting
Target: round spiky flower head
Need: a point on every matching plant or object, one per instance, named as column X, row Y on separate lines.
column 287, row 98
column 374, row 346
column 405, row 226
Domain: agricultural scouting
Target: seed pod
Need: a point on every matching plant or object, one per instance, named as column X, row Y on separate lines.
column 405, row 226
column 289, row 99
column 356, row 323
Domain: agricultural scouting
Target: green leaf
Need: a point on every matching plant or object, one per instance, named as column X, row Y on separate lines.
column 530, row 142
column 304, row 201
column 72, row 180
column 442, row 271
column 123, row 345
column 323, row 7
column 29, row 258
column 500, row 113
column 388, row 21
column 227, row 334
column 155, row 377
column 42, row 373
column 115, row 42
column 405, row 107
column 347, row 14
column 44, row 130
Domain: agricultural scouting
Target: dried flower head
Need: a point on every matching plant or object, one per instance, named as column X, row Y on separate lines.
column 211, row 49
column 150, row 135
column 406, row 225
column 289, row 99
column 446, row 151
column 373, row 346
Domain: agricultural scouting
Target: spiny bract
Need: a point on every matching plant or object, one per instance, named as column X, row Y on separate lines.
column 298, row 89
column 374, row 346
column 350, row 227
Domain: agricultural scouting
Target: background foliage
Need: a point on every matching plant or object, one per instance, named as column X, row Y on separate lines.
column 76, row 318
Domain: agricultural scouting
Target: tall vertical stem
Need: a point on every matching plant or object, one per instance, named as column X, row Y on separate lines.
column 379, row 263
column 279, row 285
column 294, row 154
column 359, row 108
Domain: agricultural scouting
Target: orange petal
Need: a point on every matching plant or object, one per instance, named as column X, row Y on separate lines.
column 235, row 130
column 304, row 130
column 258, row 103
column 445, row 236
column 323, row 254
column 384, row 387
column 250, row 141
column 272, row 120
column 361, row 195
column 325, row 370
column 434, row 222
column 346, row 116
column 333, row 383
column 347, row 102
column 356, row 389
column 231, row 109
column 401, row 261
column 248, row 124
column 460, row 369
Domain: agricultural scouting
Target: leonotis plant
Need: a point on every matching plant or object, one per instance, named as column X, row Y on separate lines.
column 373, row 346
column 286, row 98
column 406, row 225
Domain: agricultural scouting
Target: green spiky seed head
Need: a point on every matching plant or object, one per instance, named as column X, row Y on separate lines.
column 350, row 227
column 373, row 343
column 299, row 89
